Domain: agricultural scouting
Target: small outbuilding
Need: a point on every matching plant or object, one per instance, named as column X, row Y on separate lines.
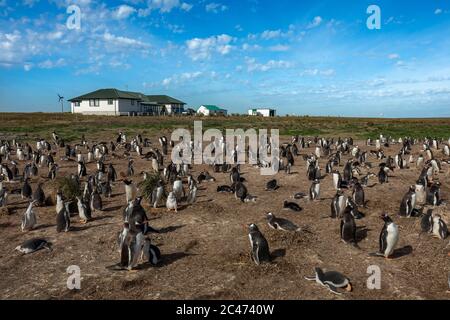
column 211, row 110
column 265, row 112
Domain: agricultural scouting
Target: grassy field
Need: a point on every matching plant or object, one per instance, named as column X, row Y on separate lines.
column 29, row 126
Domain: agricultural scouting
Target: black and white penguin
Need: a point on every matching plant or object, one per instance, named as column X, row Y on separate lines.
column 178, row 190
column 235, row 175
column 314, row 190
column 358, row 194
column 151, row 253
column 130, row 168
column 348, row 228
column 33, row 245
column 389, row 236
column 240, row 191
column 337, row 180
column 29, row 218
column 331, row 279
column 157, row 193
column 280, row 223
column 130, row 190
column 63, row 219
column 26, row 191
column 171, row 203
column 287, row 205
column 338, row 204
column 272, row 185
column 111, row 174
column 224, row 189
column 192, row 195
column 382, row 174
column 259, row 246
column 434, row 194
column 84, row 210
column 426, row 222
column 440, row 229
column 408, row 203
column 81, row 169
column 96, row 201
column 39, row 195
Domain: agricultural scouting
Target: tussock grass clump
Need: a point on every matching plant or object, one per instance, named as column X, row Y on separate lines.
column 69, row 188
column 149, row 184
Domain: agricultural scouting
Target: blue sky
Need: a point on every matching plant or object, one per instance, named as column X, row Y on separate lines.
column 302, row 57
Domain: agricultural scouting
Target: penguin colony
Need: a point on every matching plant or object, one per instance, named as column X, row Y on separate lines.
column 348, row 168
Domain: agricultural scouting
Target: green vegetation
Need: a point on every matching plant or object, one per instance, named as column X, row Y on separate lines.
column 149, row 184
column 69, row 188
column 31, row 126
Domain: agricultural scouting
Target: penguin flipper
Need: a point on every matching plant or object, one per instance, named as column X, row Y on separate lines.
column 332, row 288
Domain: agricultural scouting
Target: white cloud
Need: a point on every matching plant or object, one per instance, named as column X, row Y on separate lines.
column 49, row 64
column 27, row 66
column 123, row 12
column 113, row 40
column 438, row 11
column 279, row 48
column 274, row 34
column 252, row 65
column 393, row 56
column 315, row 23
column 215, row 7
column 250, row 47
column 164, row 6
column 317, row 72
column 201, row 49
column 30, row 3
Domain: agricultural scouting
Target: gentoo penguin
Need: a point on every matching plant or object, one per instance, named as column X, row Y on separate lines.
column 83, row 210
column 382, row 174
column 280, row 223
column 434, row 194
column 272, row 185
column 111, row 175
column 178, row 190
column 358, row 194
column 337, row 180
column 240, row 191
column 130, row 169
column 421, row 194
column 39, row 195
column 63, row 219
column 171, row 202
column 59, row 201
column 81, row 169
column 331, row 279
column 259, row 246
column 127, row 211
column 234, row 175
column 96, row 201
column 388, row 237
column 192, row 195
column 314, row 190
column 408, row 203
column 426, row 222
column 348, row 228
column 224, row 189
column 151, row 253
column 287, row 205
column 130, row 190
column 26, row 191
column 157, row 193
column 440, row 229
column 29, row 218
column 33, row 245
column 138, row 218
column 338, row 204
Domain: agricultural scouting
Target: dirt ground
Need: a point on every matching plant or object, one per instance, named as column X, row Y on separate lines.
column 206, row 251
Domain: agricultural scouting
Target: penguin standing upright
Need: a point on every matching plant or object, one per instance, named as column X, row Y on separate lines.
column 63, row 219
column 240, row 191
column 338, row 204
column 348, row 228
column 382, row 174
column 426, row 222
column 171, row 202
column 337, row 179
column 81, row 169
column 130, row 190
column 178, row 189
column 111, row 175
column 314, row 190
column 96, row 201
column 83, row 210
column 408, row 203
column 157, row 193
column 151, row 253
column 192, row 195
column 358, row 194
column 130, row 169
column 389, row 236
column 39, row 195
column 440, row 229
column 259, row 246
column 29, row 218
column 434, row 194
column 26, row 191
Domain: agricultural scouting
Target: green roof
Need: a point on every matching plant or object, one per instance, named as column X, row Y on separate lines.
column 212, row 107
column 118, row 94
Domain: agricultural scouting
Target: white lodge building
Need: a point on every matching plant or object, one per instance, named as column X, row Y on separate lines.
column 113, row 102
column 265, row 112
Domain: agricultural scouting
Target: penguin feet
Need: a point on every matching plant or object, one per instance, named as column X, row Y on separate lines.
column 349, row 288
column 83, row 221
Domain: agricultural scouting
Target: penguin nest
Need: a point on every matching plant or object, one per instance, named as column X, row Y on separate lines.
column 68, row 187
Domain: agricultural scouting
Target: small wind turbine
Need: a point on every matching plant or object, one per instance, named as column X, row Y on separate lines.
column 61, row 99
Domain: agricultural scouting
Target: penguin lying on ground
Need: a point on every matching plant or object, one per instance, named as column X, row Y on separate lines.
column 33, row 245
column 291, row 206
column 280, row 223
column 331, row 279
column 272, row 185
column 224, row 189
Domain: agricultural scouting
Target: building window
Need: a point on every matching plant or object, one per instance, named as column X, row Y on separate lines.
column 77, row 103
column 110, row 101
column 94, row 102
column 132, row 102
